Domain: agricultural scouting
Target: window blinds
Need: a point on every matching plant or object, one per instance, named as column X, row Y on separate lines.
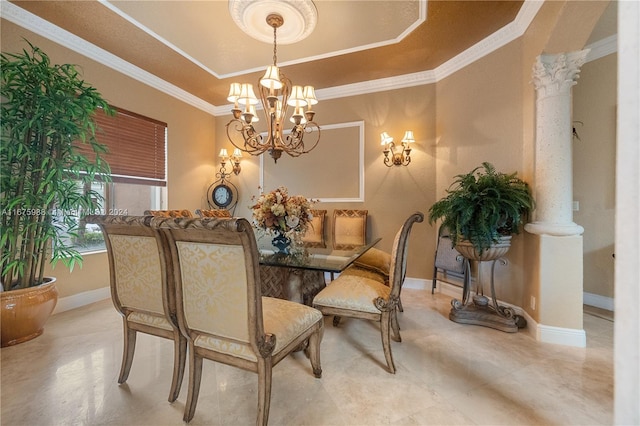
column 136, row 147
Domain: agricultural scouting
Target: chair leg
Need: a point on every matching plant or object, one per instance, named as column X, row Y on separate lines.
column 264, row 390
column 195, row 374
column 314, row 350
column 127, row 352
column 400, row 308
column 395, row 327
column 385, row 325
column 179, row 361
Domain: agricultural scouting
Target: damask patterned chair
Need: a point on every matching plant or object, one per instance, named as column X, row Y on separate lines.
column 220, row 308
column 140, row 290
column 314, row 237
column 349, row 228
column 213, row 213
column 355, row 296
column 169, row 213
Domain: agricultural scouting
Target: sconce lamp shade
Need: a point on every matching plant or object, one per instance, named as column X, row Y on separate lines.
column 223, row 154
column 408, row 137
column 385, row 138
column 237, row 153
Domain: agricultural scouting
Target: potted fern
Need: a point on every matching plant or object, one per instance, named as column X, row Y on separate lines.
column 45, row 181
column 482, row 209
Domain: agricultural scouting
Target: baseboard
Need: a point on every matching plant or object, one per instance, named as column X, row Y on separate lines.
column 81, row 299
column 416, row 283
column 598, row 301
column 561, row 336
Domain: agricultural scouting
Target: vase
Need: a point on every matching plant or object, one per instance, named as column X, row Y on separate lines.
column 282, row 243
column 25, row 311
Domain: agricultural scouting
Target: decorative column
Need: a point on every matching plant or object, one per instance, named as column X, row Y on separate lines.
column 553, row 77
column 555, row 298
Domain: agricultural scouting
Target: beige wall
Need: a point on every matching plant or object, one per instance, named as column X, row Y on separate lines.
column 190, row 142
column 479, row 118
column 594, row 157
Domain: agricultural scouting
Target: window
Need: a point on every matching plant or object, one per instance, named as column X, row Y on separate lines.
column 137, row 157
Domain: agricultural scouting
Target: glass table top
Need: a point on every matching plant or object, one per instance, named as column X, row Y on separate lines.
column 321, row 259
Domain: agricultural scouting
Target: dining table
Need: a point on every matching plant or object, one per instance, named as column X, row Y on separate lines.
column 299, row 276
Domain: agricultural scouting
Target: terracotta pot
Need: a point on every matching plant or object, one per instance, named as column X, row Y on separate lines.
column 496, row 251
column 25, row 311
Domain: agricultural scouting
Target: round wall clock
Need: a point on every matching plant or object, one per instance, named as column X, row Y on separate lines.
column 222, row 195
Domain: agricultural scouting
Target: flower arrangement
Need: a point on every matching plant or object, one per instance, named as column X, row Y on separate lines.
column 280, row 213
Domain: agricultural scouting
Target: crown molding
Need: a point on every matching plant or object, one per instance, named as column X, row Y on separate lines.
column 602, row 48
column 44, row 28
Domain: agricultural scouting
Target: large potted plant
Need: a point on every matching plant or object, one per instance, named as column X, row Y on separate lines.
column 482, row 209
column 47, row 116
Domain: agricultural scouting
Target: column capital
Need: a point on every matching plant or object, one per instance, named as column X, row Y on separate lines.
column 555, row 74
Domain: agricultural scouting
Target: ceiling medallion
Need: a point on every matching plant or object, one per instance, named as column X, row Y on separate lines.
column 300, row 18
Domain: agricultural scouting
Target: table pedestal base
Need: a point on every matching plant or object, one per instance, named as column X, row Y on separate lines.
column 297, row 285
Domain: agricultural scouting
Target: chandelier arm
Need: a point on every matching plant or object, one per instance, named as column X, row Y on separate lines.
column 296, row 148
column 251, row 139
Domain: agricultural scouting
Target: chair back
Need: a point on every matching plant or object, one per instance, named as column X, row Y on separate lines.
column 213, row 213
column 216, row 275
column 349, row 228
column 398, row 268
column 314, row 237
column 169, row 213
column 138, row 271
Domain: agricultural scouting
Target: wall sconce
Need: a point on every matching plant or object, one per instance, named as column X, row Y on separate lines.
column 399, row 153
column 235, row 160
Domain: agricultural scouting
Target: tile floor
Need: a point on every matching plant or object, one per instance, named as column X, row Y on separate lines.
column 447, row 374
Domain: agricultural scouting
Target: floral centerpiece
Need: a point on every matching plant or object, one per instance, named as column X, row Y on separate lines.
column 285, row 216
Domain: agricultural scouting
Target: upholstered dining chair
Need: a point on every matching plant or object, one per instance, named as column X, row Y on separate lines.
column 169, row 213
column 213, row 213
column 140, row 290
column 349, row 228
column 220, row 308
column 355, row 296
column 314, row 237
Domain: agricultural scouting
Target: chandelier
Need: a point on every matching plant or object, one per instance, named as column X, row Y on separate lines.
column 277, row 94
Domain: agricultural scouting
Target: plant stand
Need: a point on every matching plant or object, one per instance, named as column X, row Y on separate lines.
column 482, row 310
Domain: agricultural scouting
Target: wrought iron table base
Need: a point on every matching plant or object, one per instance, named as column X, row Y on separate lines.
column 484, row 311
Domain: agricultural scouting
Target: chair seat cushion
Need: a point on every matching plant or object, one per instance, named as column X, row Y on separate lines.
column 352, row 292
column 282, row 318
column 287, row 320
